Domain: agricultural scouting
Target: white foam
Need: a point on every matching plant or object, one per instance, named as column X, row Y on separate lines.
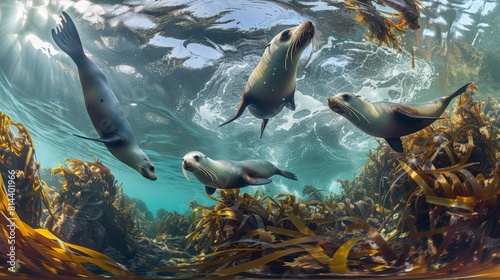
column 306, row 107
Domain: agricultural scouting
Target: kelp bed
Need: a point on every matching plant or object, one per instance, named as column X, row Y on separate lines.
column 27, row 250
column 432, row 211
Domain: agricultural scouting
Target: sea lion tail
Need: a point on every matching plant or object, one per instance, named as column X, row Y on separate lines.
column 461, row 90
column 66, row 37
column 287, row 174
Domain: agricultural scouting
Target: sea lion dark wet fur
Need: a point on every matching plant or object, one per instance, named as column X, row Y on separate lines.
column 229, row 174
column 391, row 120
column 102, row 106
column 272, row 83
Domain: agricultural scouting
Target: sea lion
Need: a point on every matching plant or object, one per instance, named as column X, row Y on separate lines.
column 229, row 174
column 102, row 106
column 391, row 120
column 271, row 84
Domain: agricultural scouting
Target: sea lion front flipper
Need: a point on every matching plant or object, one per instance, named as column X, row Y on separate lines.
column 209, row 190
column 112, row 140
column 263, row 126
column 412, row 115
column 241, row 108
column 290, row 103
column 255, row 180
column 395, row 144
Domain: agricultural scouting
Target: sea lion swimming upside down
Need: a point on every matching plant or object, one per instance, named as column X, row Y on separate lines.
column 272, row 83
column 391, row 120
column 103, row 108
column 229, row 174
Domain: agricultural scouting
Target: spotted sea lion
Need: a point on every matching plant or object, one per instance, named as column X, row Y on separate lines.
column 102, row 106
column 229, row 174
column 391, row 120
column 271, row 84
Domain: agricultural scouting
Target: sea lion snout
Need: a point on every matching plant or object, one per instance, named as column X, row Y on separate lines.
column 149, row 173
column 334, row 105
column 187, row 165
column 305, row 32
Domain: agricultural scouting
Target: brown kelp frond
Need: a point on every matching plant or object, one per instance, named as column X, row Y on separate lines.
column 19, row 168
column 38, row 252
column 409, row 12
column 381, row 27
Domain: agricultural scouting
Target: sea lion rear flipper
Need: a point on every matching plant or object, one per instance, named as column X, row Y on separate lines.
column 256, row 181
column 263, row 126
column 287, row 174
column 290, row 103
column 241, row 108
column 395, row 144
column 67, row 38
column 209, row 190
column 410, row 115
column 462, row 90
column 112, row 140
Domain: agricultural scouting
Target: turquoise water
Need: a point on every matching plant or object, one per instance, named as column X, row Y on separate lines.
column 178, row 69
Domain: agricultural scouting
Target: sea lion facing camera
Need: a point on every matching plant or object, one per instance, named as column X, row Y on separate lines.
column 391, row 120
column 102, row 106
column 229, row 174
column 272, row 83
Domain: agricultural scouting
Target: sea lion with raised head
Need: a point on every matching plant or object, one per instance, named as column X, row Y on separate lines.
column 391, row 120
column 102, row 106
column 229, row 174
column 271, row 85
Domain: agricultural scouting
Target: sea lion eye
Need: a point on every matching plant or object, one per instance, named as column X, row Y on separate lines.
column 346, row 97
column 285, row 35
column 152, row 168
column 197, row 158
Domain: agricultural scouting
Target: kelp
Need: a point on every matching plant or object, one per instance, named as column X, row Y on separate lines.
column 432, row 211
column 173, row 224
column 91, row 209
column 381, row 25
column 27, row 251
column 17, row 158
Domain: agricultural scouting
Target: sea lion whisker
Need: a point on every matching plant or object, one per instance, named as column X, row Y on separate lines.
column 353, row 112
column 186, row 175
column 200, row 170
column 205, row 172
column 361, row 114
column 210, row 173
column 349, row 110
